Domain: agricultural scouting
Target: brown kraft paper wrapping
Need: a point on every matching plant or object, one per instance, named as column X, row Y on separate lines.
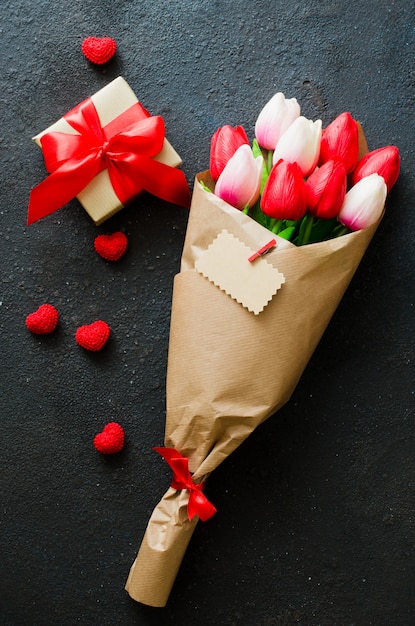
column 218, row 351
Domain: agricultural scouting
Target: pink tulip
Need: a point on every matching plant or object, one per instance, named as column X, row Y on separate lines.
column 340, row 139
column 300, row 144
column 384, row 161
column 283, row 197
column 363, row 204
column 326, row 189
column 240, row 180
column 276, row 116
column 224, row 144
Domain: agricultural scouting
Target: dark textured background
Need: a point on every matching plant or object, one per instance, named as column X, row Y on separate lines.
column 315, row 522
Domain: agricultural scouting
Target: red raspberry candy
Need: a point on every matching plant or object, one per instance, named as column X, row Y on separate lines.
column 93, row 336
column 44, row 320
column 111, row 247
column 99, row 50
column 110, row 440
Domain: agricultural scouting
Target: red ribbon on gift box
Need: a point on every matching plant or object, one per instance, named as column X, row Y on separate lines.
column 125, row 147
column 198, row 503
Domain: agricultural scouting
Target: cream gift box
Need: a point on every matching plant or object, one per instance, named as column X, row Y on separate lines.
column 98, row 196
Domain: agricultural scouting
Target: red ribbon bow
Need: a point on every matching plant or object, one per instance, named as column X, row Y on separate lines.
column 124, row 147
column 198, row 503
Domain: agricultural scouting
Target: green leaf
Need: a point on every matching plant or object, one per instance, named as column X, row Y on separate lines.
column 264, row 179
column 205, row 187
column 257, row 215
column 287, row 233
column 256, row 150
column 322, row 230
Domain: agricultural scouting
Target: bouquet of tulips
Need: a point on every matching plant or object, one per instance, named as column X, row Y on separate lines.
column 297, row 184
column 302, row 183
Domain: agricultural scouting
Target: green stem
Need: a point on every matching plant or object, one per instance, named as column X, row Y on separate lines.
column 275, row 227
column 246, row 209
column 269, row 160
column 340, row 230
column 309, row 219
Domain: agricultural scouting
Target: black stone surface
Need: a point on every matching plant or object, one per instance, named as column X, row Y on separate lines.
column 315, row 522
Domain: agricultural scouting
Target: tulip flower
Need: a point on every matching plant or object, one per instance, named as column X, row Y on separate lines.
column 363, row 204
column 340, row 139
column 300, row 144
column 224, row 144
column 384, row 161
column 240, row 180
column 274, row 119
column 326, row 189
column 283, row 197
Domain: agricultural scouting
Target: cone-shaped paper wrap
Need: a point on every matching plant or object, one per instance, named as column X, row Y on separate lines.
column 218, row 352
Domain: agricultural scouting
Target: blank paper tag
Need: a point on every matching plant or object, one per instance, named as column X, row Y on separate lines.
column 225, row 263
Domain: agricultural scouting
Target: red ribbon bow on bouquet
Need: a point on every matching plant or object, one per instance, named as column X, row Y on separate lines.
column 124, row 146
column 198, row 503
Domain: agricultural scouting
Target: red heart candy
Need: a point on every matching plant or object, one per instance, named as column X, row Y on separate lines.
column 44, row 320
column 111, row 439
column 111, row 247
column 93, row 336
column 99, row 50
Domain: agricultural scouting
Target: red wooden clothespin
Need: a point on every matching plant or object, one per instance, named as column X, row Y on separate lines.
column 268, row 246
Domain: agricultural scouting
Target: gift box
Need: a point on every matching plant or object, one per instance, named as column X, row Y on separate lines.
column 232, row 363
column 105, row 152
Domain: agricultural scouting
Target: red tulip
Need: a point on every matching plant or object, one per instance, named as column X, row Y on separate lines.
column 340, row 139
column 283, row 197
column 325, row 189
column 384, row 161
column 240, row 181
column 224, row 144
